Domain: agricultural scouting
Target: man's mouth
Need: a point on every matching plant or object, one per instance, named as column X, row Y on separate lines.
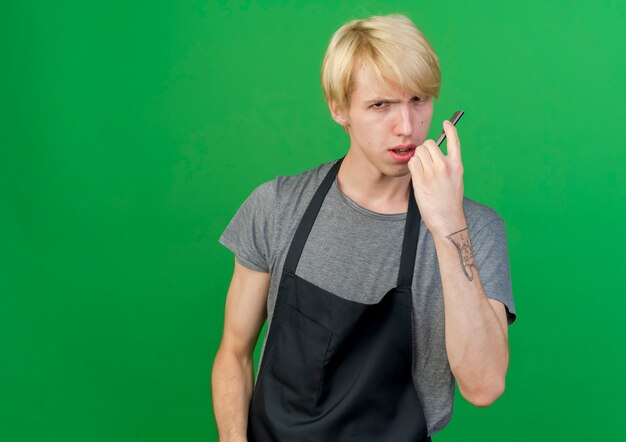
column 403, row 148
column 402, row 153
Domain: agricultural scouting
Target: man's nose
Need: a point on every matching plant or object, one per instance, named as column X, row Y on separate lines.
column 404, row 123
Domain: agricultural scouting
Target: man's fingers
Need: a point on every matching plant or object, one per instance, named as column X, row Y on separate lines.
column 424, row 153
column 454, row 145
column 415, row 165
column 435, row 153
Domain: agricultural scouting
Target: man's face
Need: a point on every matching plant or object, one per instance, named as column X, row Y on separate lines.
column 381, row 117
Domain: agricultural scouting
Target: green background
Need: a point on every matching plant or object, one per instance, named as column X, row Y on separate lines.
column 132, row 131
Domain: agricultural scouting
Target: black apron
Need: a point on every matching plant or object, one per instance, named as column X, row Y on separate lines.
column 336, row 370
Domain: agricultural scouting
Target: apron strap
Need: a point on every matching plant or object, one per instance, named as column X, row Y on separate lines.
column 306, row 223
column 409, row 243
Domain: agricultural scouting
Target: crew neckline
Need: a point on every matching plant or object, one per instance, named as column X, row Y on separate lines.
column 362, row 210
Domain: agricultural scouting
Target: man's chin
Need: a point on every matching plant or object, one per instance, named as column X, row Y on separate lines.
column 398, row 170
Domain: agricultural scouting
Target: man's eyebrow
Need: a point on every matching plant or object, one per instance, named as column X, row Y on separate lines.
column 387, row 100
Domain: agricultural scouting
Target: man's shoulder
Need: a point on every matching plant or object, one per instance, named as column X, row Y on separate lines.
column 288, row 186
column 478, row 215
column 284, row 187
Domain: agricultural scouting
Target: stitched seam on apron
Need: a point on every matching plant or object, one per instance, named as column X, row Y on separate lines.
column 321, row 381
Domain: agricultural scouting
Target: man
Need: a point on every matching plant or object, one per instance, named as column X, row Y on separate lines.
column 381, row 283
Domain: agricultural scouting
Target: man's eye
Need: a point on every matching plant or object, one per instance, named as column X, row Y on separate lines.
column 379, row 105
column 417, row 99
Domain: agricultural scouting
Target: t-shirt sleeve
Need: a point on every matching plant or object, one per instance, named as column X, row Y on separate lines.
column 491, row 257
column 250, row 233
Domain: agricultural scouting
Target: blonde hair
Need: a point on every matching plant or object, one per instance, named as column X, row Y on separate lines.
column 391, row 46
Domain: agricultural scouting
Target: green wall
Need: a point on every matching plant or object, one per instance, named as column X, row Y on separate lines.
column 132, row 131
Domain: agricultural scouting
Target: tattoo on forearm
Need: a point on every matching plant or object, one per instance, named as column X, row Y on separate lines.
column 463, row 245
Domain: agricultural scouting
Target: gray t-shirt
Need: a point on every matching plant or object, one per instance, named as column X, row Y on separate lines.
column 354, row 253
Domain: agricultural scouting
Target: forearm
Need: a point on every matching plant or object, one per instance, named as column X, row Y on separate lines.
column 476, row 341
column 232, row 384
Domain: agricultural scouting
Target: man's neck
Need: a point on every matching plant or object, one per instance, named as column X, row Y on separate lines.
column 371, row 189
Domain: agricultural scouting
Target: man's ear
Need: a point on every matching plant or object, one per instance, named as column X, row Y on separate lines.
column 337, row 114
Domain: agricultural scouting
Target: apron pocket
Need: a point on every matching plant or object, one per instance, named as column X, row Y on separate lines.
column 297, row 358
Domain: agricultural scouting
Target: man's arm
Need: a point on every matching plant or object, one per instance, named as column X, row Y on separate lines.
column 233, row 368
column 475, row 327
